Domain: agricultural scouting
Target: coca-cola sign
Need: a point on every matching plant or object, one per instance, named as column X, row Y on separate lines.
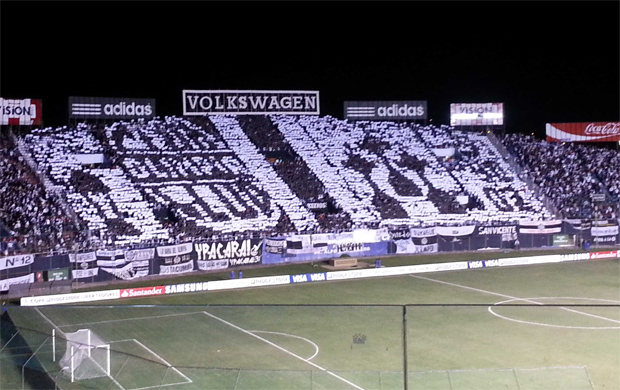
column 606, row 129
column 583, row 132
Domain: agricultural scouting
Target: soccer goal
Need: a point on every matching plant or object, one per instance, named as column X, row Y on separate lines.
column 87, row 355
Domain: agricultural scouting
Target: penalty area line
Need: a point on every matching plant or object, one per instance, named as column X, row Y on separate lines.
column 164, row 361
column 283, row 349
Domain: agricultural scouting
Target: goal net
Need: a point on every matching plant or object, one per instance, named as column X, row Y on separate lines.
column 87, row 356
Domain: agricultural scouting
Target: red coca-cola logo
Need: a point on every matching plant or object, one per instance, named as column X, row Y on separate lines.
column 606, row 129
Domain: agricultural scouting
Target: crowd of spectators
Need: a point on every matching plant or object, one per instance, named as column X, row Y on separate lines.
column 33, row 218
column 170, row 180
column 408, row 173
column 570, row 173
column 294, row 171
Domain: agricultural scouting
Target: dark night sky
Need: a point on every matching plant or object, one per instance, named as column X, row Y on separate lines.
column 546, row 61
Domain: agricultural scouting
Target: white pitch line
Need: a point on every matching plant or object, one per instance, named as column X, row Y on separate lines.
column 556, row 326
column 131, row 319
column 502, row 369
column 316, row 347
column 165, row 362
column 156, row 386
column 48, row 320
column 283, row 350
column 590, row 315
column 511, row 297
column 552, row 326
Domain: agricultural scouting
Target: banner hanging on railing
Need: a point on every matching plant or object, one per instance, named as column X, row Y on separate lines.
column 16, row 261
column 235, row 252
column 120, row 266
column 5, row 284
column 540, row 227
column 174, row 259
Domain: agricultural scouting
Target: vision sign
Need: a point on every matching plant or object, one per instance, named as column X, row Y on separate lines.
column 476, row 114
column 23, row 112
column 233, row 102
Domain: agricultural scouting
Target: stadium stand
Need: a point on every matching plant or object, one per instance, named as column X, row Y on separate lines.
column 101, row 195
column 393, row 173
column 172, row 179
column 31, row 217
column 570, row 173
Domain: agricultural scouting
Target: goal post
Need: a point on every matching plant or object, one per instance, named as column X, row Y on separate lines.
column 86, row 356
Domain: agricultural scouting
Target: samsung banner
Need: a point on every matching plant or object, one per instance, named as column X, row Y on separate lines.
column 110, row 108
column 20, row 112
column 476, row 114
column 238, row 102
column 385, row 110
column 583, row 132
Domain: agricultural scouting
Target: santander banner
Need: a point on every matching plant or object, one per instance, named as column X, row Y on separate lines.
column 583, row 132
column 24, row 112
column 142, row 292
